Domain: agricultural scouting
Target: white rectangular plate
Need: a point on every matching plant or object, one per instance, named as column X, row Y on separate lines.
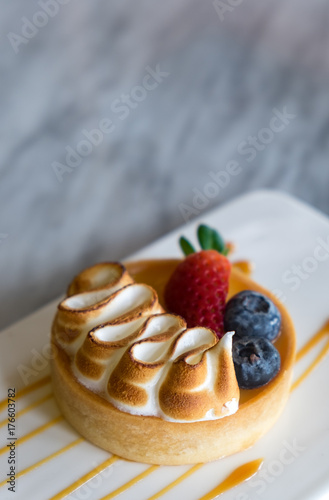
column 282, row 237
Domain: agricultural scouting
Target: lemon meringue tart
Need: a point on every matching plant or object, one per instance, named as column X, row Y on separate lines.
column 135, row 381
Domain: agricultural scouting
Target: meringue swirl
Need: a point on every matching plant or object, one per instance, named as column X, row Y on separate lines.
column 124, row 347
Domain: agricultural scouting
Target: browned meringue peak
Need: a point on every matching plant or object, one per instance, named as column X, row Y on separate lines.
column 80, row 313
column 134, row 377
column 126, row 311
column 92, row 359
column 200, row 383
column 102, row 275
column 179, row 375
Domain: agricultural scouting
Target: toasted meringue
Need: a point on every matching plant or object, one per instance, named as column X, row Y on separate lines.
column 143, row 362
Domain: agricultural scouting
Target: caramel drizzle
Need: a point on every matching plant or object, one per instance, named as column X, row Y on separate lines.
column 74, row 486
column 46, row 459
column 131, row 483
column 29, row 408
column 239, row 475
column 36, row 431
column 32, row 387
column 246, row 266
column 313, row 342
column 177, row 481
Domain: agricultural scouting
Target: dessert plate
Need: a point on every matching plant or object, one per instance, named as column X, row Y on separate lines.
column 289, row 245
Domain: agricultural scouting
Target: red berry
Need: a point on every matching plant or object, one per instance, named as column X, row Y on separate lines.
column 198, row 288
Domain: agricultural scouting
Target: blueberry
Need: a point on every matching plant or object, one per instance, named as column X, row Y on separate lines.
column 256, row 362
column 252, row 314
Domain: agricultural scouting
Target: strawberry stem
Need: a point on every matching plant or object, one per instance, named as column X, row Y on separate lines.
column 209, row 239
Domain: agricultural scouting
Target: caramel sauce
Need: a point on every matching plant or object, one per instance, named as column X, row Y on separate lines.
column 36, row 431
column 321, row 334
column 238, row 476
column 246, row 266
column 74, row 486
column 46, row 459
column 32, row 387
column 177, row 481
column 131, row 483
column 29, row 408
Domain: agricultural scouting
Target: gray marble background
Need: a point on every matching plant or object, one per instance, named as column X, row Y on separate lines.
column 225, row 77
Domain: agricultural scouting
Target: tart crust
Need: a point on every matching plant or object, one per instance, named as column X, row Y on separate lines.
column 153, row 440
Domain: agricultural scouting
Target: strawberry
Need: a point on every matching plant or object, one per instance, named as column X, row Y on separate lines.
column 198, row 287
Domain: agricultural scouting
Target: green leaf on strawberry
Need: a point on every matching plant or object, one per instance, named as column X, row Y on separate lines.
column 205, row 237
column 209, row 239
column 186, row 246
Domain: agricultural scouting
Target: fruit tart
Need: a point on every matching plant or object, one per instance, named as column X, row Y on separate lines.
column 172, row 361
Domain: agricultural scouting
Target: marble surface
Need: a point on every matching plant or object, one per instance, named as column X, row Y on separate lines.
column 218, row 78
